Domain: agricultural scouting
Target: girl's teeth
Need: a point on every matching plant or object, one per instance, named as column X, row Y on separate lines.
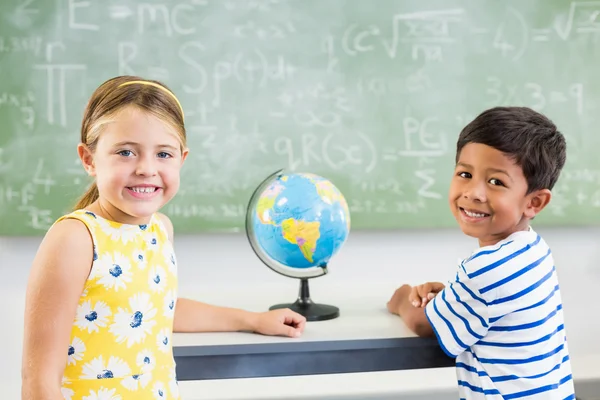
column 474, row 215
column 143, row 189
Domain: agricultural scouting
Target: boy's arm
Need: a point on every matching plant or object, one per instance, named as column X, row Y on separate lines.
column 459, row 315
column 414, row 317
column 456, row 315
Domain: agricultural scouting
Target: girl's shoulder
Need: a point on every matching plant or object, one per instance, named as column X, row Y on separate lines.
column 165, row 224
column 103, row 231
column 68, row 242
column 82, row 215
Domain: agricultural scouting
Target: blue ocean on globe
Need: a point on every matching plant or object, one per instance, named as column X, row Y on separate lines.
column 300, row 220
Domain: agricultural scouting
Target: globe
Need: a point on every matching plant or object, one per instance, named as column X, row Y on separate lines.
column 296, row 223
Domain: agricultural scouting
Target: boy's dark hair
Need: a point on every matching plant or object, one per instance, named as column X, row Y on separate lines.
column 525, row 135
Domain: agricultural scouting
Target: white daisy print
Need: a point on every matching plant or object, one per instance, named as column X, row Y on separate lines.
column 66, row 392
column 123, row 233
column 104, row 224
column 140, row 259
column 91, row 214
column 76, row 350
column 173, row 385
column 145, row 360
column 114, row 271
column 163, row 340
column 134, row 382
column 170, row 258
column 169, row 304
column 92, row 317
column 133, row 324
column 98, row 369
column 103, row 394
column 145, row 379
column 159, row 390
column 152, row 241
column 157, row 279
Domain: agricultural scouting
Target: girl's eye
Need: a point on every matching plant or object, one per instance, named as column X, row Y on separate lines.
column 125, row 153
column 465, row 175
column 162, row 154
column 496, row 182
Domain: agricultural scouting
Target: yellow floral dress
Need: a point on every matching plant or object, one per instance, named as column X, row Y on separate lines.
column 120, row 345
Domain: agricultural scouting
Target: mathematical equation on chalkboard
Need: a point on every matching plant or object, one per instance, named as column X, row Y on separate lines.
column 374, row 100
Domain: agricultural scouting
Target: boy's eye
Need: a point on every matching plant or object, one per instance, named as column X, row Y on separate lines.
column 163, row 154
column 125, row 153
column 464, row 175
column 496, row 182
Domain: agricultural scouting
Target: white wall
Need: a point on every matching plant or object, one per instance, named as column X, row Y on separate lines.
column 371, row 262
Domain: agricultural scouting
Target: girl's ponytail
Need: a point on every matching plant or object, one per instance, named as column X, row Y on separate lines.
column 90, row 196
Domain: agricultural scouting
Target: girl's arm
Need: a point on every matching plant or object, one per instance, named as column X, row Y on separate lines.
column 195, row 316
column 57, row 277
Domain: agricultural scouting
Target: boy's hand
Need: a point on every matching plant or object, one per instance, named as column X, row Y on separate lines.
column 282, row 322
column 414, row 317
column 400, row 295
column 421, row 294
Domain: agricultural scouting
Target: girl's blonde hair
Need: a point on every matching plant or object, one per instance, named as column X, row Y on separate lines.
column 112, row 97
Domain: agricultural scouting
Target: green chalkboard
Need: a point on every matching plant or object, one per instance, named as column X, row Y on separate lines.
column 371, row 95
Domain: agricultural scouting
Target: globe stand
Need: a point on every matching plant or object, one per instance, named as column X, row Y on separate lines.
column 305, row 306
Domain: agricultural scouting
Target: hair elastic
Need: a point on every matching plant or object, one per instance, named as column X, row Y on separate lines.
column 156, row 85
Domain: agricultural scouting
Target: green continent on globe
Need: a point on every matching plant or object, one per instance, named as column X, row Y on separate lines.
column 304, row 234
column 267, row 201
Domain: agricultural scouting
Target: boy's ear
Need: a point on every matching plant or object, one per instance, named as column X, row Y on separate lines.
column 87, row 159
column 536, row 202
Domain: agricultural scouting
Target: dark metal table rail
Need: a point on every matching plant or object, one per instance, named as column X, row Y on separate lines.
column 307, row 358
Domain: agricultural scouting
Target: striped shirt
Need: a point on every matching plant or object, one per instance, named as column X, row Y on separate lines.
column 502, row 319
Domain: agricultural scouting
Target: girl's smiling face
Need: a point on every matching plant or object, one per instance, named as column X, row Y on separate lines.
column 136, row 164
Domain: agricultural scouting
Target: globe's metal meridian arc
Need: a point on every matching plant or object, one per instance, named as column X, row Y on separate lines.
column 301, row 273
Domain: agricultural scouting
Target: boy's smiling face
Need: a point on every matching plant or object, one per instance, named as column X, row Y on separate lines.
column 488, row 195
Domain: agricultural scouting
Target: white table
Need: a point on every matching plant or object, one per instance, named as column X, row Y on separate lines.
column 363, row 318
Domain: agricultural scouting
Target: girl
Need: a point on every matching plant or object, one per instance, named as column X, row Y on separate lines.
column 101, row 301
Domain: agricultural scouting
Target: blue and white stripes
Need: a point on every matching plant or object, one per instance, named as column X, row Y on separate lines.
column 502, row 319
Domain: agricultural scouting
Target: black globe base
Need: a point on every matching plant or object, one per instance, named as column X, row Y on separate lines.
column 311, row 311
column 305, row 307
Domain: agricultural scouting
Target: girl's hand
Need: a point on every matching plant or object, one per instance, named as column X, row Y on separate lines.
column 421, row 294
column 282, row 322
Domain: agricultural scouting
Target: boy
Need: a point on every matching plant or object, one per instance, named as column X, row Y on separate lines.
column 502, row 315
